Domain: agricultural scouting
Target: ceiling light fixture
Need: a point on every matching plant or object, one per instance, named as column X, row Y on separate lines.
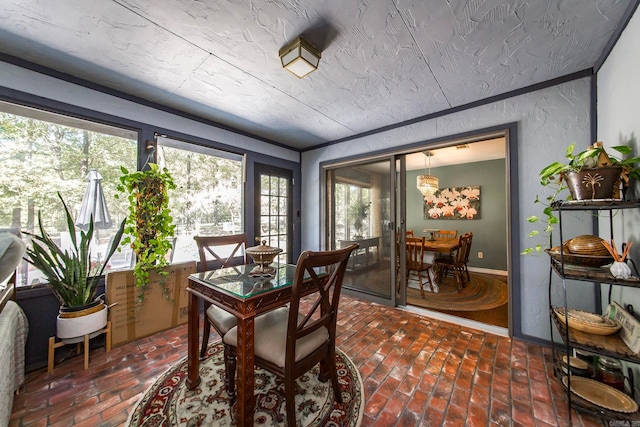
column 300, row 57
column 427, row 183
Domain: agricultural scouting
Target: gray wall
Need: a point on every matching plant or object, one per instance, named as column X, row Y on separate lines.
column 490, row 230
column 548, row 120
column 619, row 124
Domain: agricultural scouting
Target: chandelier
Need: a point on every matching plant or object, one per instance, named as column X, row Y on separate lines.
column 427, row 183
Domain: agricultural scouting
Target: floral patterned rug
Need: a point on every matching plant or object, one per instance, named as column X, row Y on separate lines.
column 168, row 402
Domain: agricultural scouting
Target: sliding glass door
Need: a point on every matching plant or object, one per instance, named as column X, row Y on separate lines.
column 359, row 200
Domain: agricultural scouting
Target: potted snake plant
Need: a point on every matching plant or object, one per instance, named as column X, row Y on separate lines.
column 72, row 275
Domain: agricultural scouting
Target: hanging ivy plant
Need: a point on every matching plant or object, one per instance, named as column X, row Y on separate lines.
column 149, row 225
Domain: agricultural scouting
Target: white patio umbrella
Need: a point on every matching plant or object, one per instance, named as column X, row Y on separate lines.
column 94, row 204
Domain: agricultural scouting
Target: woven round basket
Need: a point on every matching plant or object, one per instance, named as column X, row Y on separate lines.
column 588, row 322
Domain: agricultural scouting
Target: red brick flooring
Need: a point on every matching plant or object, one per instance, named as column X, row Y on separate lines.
column 416, row 372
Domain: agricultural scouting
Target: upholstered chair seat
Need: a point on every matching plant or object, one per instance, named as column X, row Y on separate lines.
column 270, row 341
column 220, row 319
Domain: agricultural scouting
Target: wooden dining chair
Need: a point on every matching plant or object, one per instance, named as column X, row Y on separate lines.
column 219, row 252
column 456, row 264
column 467, row 253
column 289, row 341
column 409, row 233
column 444, row 234
column 416, row 266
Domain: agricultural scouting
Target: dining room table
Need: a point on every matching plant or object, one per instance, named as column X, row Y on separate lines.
column 245, row 296
column 445, row 245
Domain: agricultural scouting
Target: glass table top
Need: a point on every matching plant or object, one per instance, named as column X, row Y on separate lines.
column 236, row 280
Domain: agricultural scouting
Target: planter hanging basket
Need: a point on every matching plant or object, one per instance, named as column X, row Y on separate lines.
column 596, row 183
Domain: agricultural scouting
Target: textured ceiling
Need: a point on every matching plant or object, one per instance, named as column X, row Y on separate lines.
column 383, row 61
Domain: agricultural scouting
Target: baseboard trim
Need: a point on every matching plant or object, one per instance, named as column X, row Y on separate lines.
column 489, row 271
column 491, row 329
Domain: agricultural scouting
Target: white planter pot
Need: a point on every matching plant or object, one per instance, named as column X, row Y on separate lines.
column 73, row 329
column 620, row 270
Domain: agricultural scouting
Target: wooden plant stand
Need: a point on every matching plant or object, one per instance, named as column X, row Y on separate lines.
column 53, row 345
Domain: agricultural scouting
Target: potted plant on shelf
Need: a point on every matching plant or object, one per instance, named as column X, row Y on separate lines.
column 72, row 276
column 592, row 174
column 149, row 226
column 359, row 211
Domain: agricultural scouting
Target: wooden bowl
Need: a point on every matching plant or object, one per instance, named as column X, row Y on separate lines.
column 578, row 259
column 586, row 245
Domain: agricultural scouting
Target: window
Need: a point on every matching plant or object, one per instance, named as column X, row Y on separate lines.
column 43, row 153
column 209, row 194
column 352, row 206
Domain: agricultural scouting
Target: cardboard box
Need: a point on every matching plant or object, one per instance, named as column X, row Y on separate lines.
column 160, row 310
column 630, row 330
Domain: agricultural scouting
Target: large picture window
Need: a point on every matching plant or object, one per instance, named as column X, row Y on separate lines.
column 209, row 194
column 43, row 154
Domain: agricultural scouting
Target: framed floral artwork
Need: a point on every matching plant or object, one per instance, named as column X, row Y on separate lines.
column 453, row 203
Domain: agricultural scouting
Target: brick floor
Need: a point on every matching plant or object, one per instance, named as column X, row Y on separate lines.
column 417, row 371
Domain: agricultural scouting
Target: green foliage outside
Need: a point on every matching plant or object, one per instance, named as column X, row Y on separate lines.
column 210, row 190
column 40, row 159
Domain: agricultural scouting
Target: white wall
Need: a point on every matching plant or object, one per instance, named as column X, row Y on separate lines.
column 548, row 120
column 27, row 81
column 619, row 124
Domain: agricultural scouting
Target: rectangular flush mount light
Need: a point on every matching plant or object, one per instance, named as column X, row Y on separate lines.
column 300, row 57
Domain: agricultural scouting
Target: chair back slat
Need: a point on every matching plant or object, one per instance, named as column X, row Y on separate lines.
column 443, row 234
column 222, row 251
column 463, row 251
column 468, row 248
column 321, row 307
column 415, row 251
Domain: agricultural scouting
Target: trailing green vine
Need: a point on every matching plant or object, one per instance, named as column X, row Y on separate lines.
column 149, row 225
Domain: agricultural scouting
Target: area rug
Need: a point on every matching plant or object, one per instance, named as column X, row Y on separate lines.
column 168, row 402
column 482, row 292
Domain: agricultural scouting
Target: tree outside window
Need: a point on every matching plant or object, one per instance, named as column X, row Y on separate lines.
column 208, row 197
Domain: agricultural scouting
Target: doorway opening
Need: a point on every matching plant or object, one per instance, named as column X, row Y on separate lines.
column 470, row 199
column 481, row 166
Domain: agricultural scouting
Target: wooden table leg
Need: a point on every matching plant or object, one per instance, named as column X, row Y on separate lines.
column 245, row 356
column 193, row 330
